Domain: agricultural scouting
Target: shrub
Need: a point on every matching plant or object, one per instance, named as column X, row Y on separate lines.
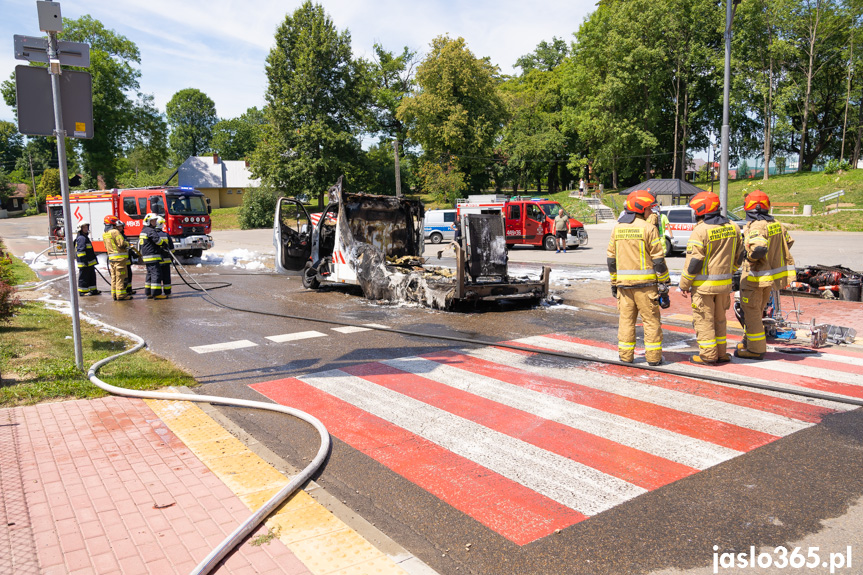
column 834, row 165
column 8, row 300
column 258, row 209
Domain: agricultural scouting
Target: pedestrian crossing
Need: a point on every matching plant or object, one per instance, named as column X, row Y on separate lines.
column 526, row 444
column 281, row 338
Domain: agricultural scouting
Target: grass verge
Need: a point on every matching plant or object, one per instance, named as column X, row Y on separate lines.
column 37, row 361
column 21, row 272
column 225, row 219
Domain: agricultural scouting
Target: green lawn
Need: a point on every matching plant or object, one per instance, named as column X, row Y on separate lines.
column 804, row 189
column 21, row 272
column 37, row 360
column 225, row 219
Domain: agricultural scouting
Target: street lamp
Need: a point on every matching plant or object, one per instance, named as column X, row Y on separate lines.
column 723, row 166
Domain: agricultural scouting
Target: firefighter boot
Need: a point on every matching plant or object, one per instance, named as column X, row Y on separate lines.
column 160, row 296
column 746, row 354
column 724, row 358
column 697, row 359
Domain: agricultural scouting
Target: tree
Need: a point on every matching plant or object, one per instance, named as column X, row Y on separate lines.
column 11, row 145
column 49, row 185
column 191, row 116
column 743, row 170
column 235, row 139
column 444, row 182
column 392, row 79
column 317, row 99
column 116, row 117
column 457, row 109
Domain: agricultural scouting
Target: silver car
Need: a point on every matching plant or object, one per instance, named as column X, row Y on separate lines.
column 681, row 222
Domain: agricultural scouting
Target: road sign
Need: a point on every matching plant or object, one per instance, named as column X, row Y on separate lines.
column 35, row 49
column 36, row 108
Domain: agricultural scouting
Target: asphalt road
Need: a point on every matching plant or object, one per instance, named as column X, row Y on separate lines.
column 425, row 488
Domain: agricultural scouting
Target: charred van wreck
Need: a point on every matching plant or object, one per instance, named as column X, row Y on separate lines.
column 376, row 242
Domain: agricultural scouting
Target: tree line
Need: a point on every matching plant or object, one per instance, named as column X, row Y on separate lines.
column 634, row 92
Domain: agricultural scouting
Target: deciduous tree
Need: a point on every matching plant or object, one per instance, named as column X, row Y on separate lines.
column 191, row 116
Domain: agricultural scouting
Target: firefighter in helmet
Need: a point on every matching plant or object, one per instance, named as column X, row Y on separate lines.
column 768, row 266
column 118, row 256
column 713, row 254
column 639, row 276
column 167, row 248
column 150, row 244
column 86, row 256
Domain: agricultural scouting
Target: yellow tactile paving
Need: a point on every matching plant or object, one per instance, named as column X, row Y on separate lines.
column 325, row 544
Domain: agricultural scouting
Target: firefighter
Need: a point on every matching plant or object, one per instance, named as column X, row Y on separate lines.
column 639, row 276
column 150, row 245
column 167, row 248
column 86, row 261
column 768, row 266
column 118, row 256
column 127, row 281
column 713, row 254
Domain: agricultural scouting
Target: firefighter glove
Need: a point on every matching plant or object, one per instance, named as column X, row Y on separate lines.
column 614, row 291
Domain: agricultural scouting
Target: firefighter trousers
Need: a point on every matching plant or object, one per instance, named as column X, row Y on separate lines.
column 630, row 303
column 165, row 277
column 153, row 281
column 752, row 300
column 87, row 280
column 127, row 281
column 709, row 321
column 118, row 275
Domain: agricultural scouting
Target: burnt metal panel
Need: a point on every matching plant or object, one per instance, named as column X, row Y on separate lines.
column 486, row 245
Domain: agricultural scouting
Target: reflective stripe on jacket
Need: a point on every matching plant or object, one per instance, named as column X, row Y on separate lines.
column 116, row 245
column 85, row 252
column 776, row 266
column 636, row 254
column 711, row 256
column 150, row 244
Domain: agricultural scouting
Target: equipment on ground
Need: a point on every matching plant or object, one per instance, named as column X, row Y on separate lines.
column 186, row 212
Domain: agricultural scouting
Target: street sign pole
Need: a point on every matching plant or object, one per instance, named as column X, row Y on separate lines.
column 723, row 164
column 54, row 71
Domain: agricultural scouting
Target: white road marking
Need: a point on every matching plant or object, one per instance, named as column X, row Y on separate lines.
column 223, row 346
column 356, row 329
column 295, row 336
column 644, row 437
column 685, row 367
column 705, row 407
column 568, row 482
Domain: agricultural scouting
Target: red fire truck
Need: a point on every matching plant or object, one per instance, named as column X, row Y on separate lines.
column 186, row 212
column 528, row 221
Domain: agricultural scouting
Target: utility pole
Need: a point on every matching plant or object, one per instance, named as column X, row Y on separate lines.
column 398, row 170
column 32, row 177
column 726, row 92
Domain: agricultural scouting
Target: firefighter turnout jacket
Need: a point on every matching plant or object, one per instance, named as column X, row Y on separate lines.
column 636, row 255
column 713, row 255
column 116, row 246
column 152, row 245
column 85, row 252
column 768, row 255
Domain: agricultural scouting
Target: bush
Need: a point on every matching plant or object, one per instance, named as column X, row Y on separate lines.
column 8, row 300
column 833, row 166
column 258, row 209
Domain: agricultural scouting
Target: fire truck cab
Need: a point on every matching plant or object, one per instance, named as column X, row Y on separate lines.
column 528, row 221
column 186, row 212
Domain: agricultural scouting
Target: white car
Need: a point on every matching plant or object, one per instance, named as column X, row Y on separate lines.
column 681, row 222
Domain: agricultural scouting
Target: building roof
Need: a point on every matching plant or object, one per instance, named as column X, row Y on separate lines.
column 213, row 172
column 666, row 187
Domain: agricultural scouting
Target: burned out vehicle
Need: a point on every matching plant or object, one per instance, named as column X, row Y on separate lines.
column 376, row 242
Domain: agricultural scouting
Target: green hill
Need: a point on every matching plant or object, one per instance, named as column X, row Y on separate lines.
column 805, row 189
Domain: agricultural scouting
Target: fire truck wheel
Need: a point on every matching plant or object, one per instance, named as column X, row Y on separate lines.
column 436, row 238
column 196, row 253
column 309, row 279
column 549, row 242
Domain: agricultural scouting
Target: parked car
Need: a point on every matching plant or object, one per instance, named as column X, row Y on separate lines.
column 681, row 222
column 438, row 225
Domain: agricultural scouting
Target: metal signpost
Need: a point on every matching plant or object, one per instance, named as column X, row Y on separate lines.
column 77, row 100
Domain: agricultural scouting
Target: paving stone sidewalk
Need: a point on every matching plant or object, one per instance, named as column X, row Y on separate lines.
column 103, row 486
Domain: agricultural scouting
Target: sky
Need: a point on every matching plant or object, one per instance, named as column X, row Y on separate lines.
column 220, row 46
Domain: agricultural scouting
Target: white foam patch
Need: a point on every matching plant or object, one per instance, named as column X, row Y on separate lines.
column 237, row 259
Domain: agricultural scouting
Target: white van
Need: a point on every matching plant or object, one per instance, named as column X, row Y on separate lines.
column 437, row 225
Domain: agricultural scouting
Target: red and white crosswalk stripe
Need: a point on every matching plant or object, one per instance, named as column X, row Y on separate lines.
column 526, row 444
